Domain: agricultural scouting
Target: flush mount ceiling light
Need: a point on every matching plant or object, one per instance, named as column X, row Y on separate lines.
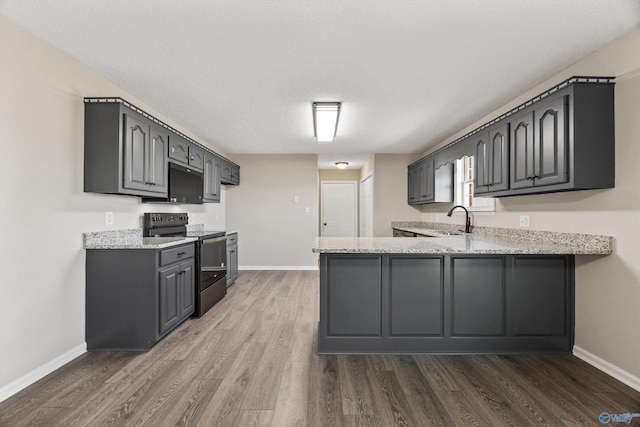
column 342, row 165
column 325, row 120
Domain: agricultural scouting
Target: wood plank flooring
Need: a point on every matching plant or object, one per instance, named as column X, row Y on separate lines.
column 251, row 361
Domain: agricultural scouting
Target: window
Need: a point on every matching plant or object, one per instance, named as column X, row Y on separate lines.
column 463, row 190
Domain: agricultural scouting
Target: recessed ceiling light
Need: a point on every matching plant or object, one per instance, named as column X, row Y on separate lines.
column 342, row 165
column 325, row 120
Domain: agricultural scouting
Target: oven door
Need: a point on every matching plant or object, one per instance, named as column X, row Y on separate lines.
column 213, row 261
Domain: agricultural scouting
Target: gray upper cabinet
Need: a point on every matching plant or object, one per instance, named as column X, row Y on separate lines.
column 196, row 157
column 492, row 160
column 562, row 140
column 421, row 179
column 427, row 184
column 565, row 141
column 522, row 150
column 185, row 152
column 144, row 158
column 125, row 153
column 230, row 174
column 212, row 171
column 539, row 152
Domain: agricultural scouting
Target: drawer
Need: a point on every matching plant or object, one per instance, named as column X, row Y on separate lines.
column 232, row 239
column 169, row 256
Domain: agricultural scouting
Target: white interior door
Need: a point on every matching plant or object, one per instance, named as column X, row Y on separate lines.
column 366, row 207
column 339, row 209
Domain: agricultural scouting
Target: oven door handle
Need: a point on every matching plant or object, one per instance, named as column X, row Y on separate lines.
column 213, row 269
column 214, row 240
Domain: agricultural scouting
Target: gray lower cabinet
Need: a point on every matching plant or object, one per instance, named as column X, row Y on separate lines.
column 125, row 153
column 135, row 297
column 415, row 296
column 393, row 303
column 232, row 258
column 354, row 297
column 176, row 295
column 477, row 296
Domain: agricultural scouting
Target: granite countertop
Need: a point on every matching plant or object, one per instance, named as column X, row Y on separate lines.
column 130, row 239
column 482, row 240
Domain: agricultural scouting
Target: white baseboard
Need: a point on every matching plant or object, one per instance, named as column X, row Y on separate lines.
column 279, row 267
column 608, row 368
column 41, row 372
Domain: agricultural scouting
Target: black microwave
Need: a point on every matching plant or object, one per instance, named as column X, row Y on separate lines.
column 185, row 186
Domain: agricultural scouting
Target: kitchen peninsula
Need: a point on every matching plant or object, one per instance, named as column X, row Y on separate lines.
column 493, row 291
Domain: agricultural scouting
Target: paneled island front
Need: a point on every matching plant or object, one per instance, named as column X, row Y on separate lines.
column 489, row 292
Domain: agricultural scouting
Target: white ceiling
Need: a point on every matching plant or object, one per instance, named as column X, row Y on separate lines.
column 243, row 74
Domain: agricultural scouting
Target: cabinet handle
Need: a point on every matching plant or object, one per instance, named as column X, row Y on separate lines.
column 180, row 253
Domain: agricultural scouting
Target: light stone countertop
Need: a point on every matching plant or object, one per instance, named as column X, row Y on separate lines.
column 482, row 240
column 130, row 239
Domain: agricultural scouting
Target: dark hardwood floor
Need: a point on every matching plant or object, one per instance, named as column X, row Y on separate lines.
column 251, row 361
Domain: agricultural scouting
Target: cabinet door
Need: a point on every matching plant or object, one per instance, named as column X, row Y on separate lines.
column 179, row 149
column 211, row 179
column 522, row 152
column 157, row 174
column 232, row 264
column 426, row 182
column 196, row 157
column 482, row 178
column 227, row 172
column 187, row 289
column 416, row 296
column 169, row 297
column 551, row 134
column 541, row 295
column 136, row 145
column 354, row 295
column 478, row 296
column 412, row 185
column 498, row 163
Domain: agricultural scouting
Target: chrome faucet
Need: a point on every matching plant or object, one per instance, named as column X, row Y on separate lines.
column 467, row 227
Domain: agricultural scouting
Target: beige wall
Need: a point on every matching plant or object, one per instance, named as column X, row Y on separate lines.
column 339, row 175
column 607, row 288
column 367, row 168
column 275, row 231
column 390, row 192
column 45, row 211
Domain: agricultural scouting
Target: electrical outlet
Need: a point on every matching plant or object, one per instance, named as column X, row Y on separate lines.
column 296, row 199
column 108, row 218
column 524, row 220
column 306, row 209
